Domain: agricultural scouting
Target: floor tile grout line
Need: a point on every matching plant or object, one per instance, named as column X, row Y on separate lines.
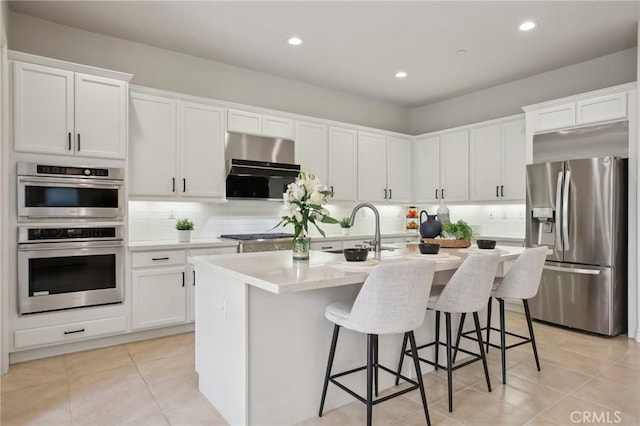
column 598, row 402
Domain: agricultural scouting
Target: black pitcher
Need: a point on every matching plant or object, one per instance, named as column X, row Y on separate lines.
column 431, row 227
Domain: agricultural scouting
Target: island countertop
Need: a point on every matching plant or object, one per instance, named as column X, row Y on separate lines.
column 276, row 272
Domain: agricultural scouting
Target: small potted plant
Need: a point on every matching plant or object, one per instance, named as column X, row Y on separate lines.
column 184, row 227
column 344, row 224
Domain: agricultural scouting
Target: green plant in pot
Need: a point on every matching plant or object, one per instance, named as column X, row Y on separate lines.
column 344, row 224
column 458, row 231
column 184, row 227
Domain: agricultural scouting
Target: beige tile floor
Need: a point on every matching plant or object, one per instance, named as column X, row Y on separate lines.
column 584, row 380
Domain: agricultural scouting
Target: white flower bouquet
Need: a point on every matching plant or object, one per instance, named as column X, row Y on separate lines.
column 303, row 205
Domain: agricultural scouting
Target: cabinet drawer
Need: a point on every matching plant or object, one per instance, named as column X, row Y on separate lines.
column 244, row 122
column 158, row 258
column 604, row 108
column 277, row 127
column 555, row 118
column 213, row 250
column 68, row 332
column 326, row 246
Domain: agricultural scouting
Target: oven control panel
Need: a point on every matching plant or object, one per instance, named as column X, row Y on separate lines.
column 75, row 233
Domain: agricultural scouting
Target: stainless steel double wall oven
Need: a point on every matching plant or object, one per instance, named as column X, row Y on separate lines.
column 70, row 237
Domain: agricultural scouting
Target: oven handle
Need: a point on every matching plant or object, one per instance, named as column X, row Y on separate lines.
column 66, row 246
column 48, row 181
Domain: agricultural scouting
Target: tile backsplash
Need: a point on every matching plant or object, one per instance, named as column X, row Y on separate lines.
column 155, row 220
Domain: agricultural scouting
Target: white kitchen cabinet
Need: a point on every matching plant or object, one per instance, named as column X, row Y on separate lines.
column 258, row 124
column 342, row 163
column 383, row 168
column 441, row 164
column 192, row 278
column 61, row 112
column 556, row 117
column 497, row 157
column 158, row 297
column 601, row 108
column 176, row 148
column 312, row 149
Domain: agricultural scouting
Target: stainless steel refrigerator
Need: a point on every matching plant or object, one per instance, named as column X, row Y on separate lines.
column 578, row 208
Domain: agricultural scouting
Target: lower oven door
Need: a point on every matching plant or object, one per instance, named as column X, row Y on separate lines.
column 53, row 276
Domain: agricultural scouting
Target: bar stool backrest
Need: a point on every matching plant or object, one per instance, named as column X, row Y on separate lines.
column 469, row 288
column 393, row 299
column 523, row 279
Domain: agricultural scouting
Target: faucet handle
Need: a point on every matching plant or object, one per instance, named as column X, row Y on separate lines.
column 372, row 243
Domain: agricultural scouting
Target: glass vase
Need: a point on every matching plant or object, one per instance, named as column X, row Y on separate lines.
column 301, row 248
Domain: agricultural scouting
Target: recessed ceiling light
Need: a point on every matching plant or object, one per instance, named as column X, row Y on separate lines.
column 461, row 51
column 527, row 25
column 401, row 74
column 294, row 41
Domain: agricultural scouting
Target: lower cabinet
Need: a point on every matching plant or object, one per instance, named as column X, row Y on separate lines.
column 159, row 296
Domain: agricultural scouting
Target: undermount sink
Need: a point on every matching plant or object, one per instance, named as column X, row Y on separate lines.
column 370, row 249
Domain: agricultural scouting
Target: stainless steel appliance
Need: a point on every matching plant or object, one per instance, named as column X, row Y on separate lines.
column 49, row 191
column 578, row 208
column 259, row 167
column 248, row 243
column 69, row 266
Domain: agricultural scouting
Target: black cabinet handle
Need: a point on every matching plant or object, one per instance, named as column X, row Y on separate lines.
column 173, row 184
column 385, row 193
column 331, row 190
column 69, row 141
column 502, row 190
column 442, row 193
column 390, row 193
column 497, row 194
column 183, row 279
column 80, row 330
column 436, row 193
column 194, row 277
column 184, row 185
column 159, row 258
column 326, row 247
column 78, row 141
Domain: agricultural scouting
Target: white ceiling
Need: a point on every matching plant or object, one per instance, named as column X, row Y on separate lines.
column 358, row 46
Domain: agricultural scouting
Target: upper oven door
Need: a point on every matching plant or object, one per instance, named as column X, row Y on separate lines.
column 42, row 197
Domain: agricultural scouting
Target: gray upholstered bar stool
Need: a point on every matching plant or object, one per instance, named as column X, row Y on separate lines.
column 467, row 291
column 520, row 282
column 392, row 300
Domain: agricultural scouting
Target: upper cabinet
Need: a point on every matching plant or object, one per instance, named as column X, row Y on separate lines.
column 63, row 112
column 259, row 124
column 497, row 161
column 312, row 149
column 441, row 164
column 176, row 148
column 342, row 163
column 383, row 168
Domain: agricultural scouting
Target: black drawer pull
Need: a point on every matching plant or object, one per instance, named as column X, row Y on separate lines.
column 436, row 194
column 502, row 190
column 194, row 277
column 81, row 330
column 69, row 141
column 159, row 258
column 184, row 185
column 173, row 184
column 497, row 195
column 78, row 142
column 183, row 279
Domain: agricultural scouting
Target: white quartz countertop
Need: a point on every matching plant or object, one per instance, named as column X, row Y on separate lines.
column 172, row 245
column 276, row 271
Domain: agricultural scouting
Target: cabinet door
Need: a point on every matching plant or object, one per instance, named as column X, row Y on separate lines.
column 372, row 162
column 602, row 108
column 152, row 145
column 42, row 109
column 399, row 169
column 514, row 170
column 342, row 163
column 557, row 117
column 454, row 161
column 312, row 149
column 244, row 122
column 101, row 117
column 201, row 142
column 277, row 127
column 158, row 297
column 486, row 161
column 426, row 166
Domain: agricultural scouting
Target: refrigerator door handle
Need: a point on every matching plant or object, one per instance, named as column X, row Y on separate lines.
column 559, row 211
column 565, row 210
column 573, row 270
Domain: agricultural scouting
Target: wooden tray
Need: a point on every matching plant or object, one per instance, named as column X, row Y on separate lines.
column 447, row 243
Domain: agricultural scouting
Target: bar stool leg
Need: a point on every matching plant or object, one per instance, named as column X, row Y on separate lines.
column 370, row 356
column 416, row 364
column 488, row 322
column 460, row 327
column 484, row 358
column 530, row 325
column 447, row 316
column 375, row 363
column 437, row 345
column 404, row 347
column 503, row 343
column 332, row 352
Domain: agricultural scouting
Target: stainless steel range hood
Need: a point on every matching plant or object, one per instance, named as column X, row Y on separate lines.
column 258, row 167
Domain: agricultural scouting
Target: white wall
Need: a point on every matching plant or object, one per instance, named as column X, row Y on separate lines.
column 4, row 143
column 507, row 99
column 168, row 70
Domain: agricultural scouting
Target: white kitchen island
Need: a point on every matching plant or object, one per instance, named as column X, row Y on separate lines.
column 262, row 340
